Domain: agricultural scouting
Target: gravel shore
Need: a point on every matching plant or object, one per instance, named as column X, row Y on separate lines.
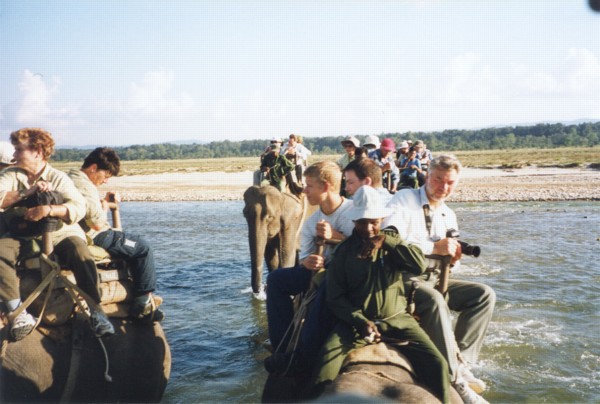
column 476, row 185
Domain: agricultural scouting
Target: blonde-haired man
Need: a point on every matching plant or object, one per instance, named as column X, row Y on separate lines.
column 328, row 223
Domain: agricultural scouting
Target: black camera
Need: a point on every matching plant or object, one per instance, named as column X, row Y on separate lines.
column 466, row 248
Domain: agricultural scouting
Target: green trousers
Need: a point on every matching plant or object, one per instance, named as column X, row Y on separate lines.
column 430, row 366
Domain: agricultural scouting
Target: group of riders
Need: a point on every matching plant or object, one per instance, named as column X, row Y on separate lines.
column 34, row 194
column 402, row 167
column 373, row 265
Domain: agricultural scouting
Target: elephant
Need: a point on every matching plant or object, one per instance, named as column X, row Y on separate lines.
column 62, row 360
column 67, row 363
column 274, row 221
column 373, row 373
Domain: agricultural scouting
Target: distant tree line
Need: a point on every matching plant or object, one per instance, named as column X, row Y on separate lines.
column 538, row 136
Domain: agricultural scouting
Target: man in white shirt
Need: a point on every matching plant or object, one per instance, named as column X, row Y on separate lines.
column 423, row 218
column 330, row 222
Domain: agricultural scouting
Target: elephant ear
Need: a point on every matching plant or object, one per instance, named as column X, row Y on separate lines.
column 296, row 189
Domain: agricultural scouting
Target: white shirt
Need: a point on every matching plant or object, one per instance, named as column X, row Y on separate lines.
column 339, row 221
column 409, row 219
column 301, row 151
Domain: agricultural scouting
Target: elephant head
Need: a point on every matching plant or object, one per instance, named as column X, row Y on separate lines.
column 273, row 221
column 373, row 373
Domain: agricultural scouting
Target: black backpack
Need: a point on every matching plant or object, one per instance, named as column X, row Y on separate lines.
column 19, row 227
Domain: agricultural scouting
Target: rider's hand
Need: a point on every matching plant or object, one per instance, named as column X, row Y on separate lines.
column 37, row 213
column 42, row 186
column 370, row 329
column 314, row 262
column 324, row 230
column 447, row 246
column 371, row 245
column 113, row 196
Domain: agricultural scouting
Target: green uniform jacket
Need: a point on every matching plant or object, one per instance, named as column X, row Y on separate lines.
column 279, row 167
column 369, row 289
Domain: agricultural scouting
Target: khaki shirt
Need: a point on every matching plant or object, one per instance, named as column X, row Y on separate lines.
column 94, row 214
column 15, row 179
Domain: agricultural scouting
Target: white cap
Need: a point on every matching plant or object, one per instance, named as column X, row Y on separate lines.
column 403, row 145
column 6, row 153
column 276, row 140
column 374, row 140
column 368, row 204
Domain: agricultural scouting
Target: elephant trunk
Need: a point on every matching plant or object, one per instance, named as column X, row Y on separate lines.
column 258, row 243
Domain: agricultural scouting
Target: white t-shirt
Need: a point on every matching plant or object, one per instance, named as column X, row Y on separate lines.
column 338, row 220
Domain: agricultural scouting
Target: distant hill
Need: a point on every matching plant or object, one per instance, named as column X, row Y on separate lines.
column 546, row 135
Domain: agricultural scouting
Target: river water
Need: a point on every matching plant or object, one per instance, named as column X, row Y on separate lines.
column 543, row 344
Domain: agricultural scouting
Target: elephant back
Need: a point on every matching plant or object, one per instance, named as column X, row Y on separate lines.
column 62, row 360
column 67, row 363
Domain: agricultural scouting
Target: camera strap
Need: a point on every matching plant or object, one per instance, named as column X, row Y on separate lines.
column 427, row 214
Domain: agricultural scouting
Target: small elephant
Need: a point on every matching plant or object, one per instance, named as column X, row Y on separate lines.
column 274, row 220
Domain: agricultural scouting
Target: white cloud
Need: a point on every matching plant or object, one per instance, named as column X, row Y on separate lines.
column 580, row 73
column 152, row 97
column 36, row 107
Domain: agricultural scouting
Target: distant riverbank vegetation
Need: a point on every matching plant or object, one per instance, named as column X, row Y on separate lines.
column 564, row 157
column 541, row 136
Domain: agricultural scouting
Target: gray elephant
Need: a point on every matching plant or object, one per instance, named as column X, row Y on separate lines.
column 67, row 363
column 274, row 219
column 374, row 373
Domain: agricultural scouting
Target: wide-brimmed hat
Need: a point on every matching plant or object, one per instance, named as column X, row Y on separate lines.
column 351, row 139
column 276, row 140
column 367, row 203
column 372, row 140
column 403, row 145
column 6, row 153
column 388, row 144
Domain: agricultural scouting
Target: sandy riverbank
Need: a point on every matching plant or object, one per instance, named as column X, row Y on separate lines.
column 525, row 184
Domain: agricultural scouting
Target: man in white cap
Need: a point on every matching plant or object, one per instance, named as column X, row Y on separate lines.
column 402, row 151
column 7, row 151
column 365, row 292
column 422, row 217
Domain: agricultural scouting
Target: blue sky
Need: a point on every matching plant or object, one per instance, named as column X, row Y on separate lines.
column 141, row 72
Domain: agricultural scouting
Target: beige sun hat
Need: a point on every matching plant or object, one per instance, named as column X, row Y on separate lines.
column 372, row 140
column 351, row 139
column 6, row 153
column 368, row 204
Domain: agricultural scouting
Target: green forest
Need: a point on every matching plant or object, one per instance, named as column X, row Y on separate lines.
column 537, row 136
